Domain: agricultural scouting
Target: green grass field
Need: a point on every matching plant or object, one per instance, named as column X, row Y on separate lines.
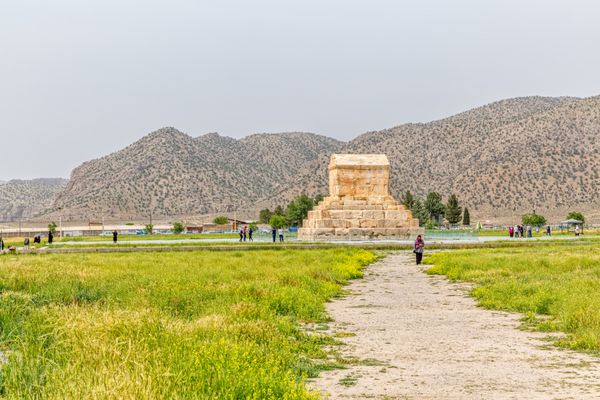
column 557, row 288
column 221, row 325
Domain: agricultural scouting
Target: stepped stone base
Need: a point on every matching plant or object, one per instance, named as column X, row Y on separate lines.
column 359, row 206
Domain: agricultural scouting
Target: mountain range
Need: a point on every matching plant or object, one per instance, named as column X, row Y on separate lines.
column 501, row 159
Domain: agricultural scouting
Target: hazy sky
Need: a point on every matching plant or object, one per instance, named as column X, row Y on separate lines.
column 80, row 79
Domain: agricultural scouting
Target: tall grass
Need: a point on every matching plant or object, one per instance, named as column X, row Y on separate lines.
column 169, row 325
column 556, row 287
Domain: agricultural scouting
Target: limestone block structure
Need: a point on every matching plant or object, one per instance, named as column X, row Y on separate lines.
column 359, row 205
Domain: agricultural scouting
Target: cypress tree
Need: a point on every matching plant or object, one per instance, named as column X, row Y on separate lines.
column 418, row 211
column 466, row 217
column 408, row 199
column 453, row 210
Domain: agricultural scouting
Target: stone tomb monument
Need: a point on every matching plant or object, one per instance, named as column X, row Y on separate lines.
column 359, row 205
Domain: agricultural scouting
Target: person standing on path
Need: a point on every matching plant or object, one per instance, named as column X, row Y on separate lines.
column 548, row 231
column 419, row 245
column 250, row 234
column 115, row 236
column 1, row 244
column 280, row 231
column 50, row 237
column 273, row 233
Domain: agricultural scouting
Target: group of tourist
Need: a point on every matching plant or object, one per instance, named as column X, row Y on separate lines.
column 521, row 231
column 275, row 232
column 246, row 232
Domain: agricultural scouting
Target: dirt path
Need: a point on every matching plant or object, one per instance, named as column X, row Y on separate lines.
column 421, row 337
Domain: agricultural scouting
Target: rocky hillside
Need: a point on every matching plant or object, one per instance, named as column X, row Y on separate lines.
column 27, row 198
column 502, row 159
column 170, row 173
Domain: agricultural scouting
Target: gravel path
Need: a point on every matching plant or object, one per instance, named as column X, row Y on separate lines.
column 421, row 337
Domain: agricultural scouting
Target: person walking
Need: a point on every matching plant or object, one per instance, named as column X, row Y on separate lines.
column 273, row 233
column 280, row 232
column 511, row 232
column 529, row 231
column 115, row 236
column 241, row 234
column 50, row 237
column 419, row 247
column 250, row 231
column 576, row 230
column 516, row 229
column 548, row 231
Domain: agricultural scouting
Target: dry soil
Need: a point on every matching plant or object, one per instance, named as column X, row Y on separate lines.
column 421, row 337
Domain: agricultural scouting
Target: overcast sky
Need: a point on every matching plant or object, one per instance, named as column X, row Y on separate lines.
column 80, row 79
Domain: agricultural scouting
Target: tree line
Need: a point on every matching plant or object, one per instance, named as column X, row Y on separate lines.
column 432, row 211
column 292, row 215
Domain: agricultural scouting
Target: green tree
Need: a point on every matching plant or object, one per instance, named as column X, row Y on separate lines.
column 277, row 221
column 533, row 219
column 279, row 211
column 466, row 217
column 221, row 220
column 148, row 229
column 253, row 226
column 434, row 206
column 418, row 211
column 264, row 216
column 178, row 227
column 453, row 210
column 408, row 199
column 319, row 198
column 298, row 209
column 52, row 227
column 576, row 215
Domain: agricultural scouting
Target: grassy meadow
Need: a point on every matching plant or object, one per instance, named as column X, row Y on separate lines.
column 221, row 325
column 556, row 287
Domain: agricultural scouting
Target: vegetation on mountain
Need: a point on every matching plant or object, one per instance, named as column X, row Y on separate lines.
column 502, row 159
column 170, row 173
column 23, row 199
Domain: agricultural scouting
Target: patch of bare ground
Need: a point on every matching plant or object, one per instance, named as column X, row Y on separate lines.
column 431, row 341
